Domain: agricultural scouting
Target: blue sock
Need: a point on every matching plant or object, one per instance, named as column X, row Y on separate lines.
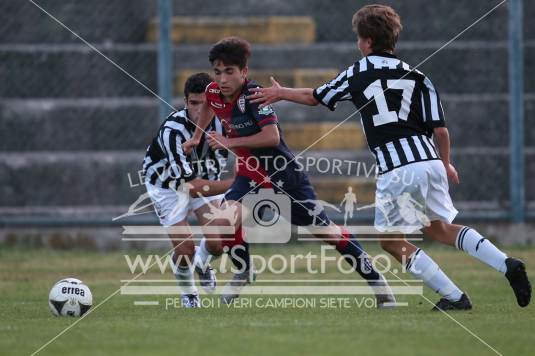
column 355, row 255
column 239, row 255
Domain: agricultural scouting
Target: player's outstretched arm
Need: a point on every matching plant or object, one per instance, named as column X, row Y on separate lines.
column 267, row 96
column 206, row 116
column 268, row 137
column 442, row 139
column 208, row 188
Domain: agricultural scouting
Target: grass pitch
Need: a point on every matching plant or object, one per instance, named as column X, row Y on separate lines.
column 118, row 327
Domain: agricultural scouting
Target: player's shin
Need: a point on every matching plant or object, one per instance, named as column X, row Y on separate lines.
column 183, row 271
column 186, row 280
column 201, row 262
column 238, row 251
column 355, row 255
column 422, row 267
column 203, row 257
column 470, row 241
column 239, row 255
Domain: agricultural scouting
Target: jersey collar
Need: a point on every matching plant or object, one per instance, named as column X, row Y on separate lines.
column 382, row 54
column 245, row 86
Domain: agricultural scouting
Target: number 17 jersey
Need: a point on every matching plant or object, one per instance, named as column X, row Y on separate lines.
column 399, row 108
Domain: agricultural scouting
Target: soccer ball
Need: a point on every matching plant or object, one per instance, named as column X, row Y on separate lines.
column 70, row 297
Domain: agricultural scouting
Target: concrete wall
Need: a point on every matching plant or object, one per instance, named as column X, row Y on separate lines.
column 73, row 126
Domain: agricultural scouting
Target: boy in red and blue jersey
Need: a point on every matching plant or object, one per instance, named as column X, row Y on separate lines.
column 268, row 164
column 265, row 161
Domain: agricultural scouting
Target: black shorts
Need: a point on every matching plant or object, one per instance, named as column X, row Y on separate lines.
column 306, row 209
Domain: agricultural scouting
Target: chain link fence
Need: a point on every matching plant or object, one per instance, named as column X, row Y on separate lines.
column 74, row 127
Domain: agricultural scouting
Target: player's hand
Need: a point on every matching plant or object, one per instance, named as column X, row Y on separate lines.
column 217, row 141
column 189, row 145
column 452, row 173
column 266, row 96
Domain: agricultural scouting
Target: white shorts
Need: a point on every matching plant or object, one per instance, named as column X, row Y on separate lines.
column 173, row 206
column 408, row 198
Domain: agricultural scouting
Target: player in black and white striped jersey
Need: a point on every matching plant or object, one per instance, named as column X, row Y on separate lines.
column 165, row 164
column 401, row 114
column 179, row 184
column 395, row 137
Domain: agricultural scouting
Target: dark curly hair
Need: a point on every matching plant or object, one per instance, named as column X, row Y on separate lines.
column 197, row 83
column 231, row 51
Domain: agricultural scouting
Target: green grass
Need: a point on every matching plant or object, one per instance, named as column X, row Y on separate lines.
column 120, row 328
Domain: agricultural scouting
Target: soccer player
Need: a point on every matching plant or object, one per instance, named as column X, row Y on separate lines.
column 179, row 184
column 401, row 112
column 253, row 134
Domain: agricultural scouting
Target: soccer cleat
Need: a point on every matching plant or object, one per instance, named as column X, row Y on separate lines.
column 385, row 301
column 462, row 304
column 518, row 279
column 207, row 279
column 233, row 288
column 384, row 296
column 190, row 301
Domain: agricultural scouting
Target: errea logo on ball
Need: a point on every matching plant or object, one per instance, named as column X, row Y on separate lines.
column 71, row 290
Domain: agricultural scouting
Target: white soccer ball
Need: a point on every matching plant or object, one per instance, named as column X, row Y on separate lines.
column 70, row 297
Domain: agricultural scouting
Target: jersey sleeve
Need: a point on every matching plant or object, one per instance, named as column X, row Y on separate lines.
column 179, row 164
column 263, row 116
column 431, row 106
column 221, row 155
column 336, row 90
column 212, row 93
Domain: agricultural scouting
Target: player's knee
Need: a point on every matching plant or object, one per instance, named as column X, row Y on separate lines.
column 386, row 245
column 214, row 247
column 436, row 230
column 443, row 232
column 215, row 241
column 220, row 222
column 391, row 246
column 184, row 246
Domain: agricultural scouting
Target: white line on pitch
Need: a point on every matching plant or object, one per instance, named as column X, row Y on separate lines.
column 396, row 304
column 146, row 302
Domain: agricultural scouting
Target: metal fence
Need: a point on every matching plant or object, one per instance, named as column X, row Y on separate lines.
column 75, row 120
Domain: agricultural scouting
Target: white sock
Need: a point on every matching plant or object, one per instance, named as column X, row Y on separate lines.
column 202, row 257
column 421, row 266
column 477, row 246
column 186, row 281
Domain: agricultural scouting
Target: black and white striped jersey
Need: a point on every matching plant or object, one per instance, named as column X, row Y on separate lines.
column 399, row 108
column 166, row 164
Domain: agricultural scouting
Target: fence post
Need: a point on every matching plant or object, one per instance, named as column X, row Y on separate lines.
column 516, row 111
column 164, row 57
